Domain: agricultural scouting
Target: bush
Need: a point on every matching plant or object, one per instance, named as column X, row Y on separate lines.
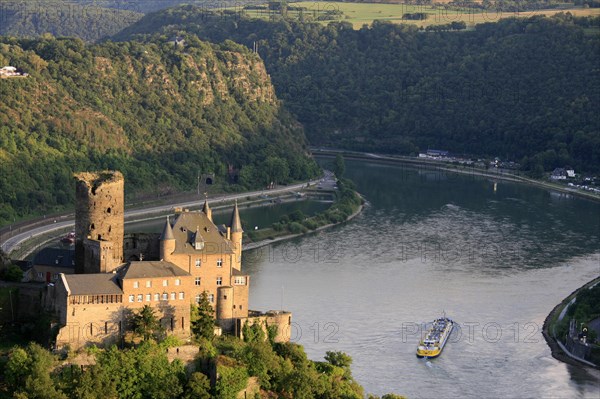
column 231, row 381
column 296, row 228
column 11, row 273
column 310, row 224
column 297, row 216
column 171, row 341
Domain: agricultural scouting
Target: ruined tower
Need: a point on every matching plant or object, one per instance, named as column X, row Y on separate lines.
column 99, row 221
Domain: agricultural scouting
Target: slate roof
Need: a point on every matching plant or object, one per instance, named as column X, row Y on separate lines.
column 235, row 223
column 92, row 284
column 150, row 269
column 184, row 231
column 167, row 233
column 56, row 257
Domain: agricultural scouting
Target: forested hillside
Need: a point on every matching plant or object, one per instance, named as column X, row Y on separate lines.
column 62, row 18
column 158, row 112
column 522, row 89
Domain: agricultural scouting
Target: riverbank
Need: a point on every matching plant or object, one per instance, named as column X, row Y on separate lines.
column 461, row 169
column 265, row 242
column 557, row 350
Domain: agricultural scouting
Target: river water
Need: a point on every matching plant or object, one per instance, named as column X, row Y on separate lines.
column 495, row 257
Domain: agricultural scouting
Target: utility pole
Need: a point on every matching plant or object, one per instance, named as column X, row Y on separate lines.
column 198, row 183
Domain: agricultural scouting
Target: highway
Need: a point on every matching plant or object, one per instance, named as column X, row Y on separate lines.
column 138, row 214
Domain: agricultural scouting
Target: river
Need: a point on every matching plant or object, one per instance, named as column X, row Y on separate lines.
column 495, row 257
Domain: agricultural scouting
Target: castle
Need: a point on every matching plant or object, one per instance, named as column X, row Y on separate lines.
column 113, row 280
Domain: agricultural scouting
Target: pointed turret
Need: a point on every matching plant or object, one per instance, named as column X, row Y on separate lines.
column 167, row 233
column 198, row 241
column 206, row 209
column 235, row 223
column 167, row 241
column 235, row 233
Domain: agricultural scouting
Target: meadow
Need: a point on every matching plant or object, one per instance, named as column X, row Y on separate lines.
column 359, row 14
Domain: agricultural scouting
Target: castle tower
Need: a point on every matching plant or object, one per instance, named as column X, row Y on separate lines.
column 206, row 209
column 236, row 232
column 225, row 308
column 99, row 221
column 167, row 241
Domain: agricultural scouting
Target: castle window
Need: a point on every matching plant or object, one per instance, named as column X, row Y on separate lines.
column 219, row 280
column 148, row 284
column 165, row 296
column 173, row 296
column 136, row 284
column 240, row 280
column 211, row 298
column 157, row 297
column 219, row 262
column 165, row 283
column 198, row 298
column 140, row 298
column 177, row 282
column 181, row 295
column 131, row 298
column 197, row 281
column 148, row 297
column 198, row 262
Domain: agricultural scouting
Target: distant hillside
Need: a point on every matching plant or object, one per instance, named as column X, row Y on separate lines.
column 144, row 6
column 160, row 113
column 62, row 18
column 524, row 89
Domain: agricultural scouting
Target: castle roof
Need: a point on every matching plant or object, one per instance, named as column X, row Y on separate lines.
column 92, row 284
column 167, row 233
column 57, row 257
column 235, row 223
column 150, row 269
column 206, row 207
column 185, row 230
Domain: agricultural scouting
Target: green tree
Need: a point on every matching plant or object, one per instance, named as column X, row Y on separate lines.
column 232, row 379
column 339, row 166
column 96, row 382
column 203, row 320
column 198, row 387
column 28, row 374
column 146, row 324
column 12, row 273
column 338, row 359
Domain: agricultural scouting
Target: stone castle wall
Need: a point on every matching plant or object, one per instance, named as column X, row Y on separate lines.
column 99, row 216
column 281, row 319
column 138, row 246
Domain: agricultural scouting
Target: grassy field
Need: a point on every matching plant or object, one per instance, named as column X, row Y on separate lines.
column 359, row 14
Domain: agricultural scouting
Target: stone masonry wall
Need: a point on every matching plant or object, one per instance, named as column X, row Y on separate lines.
column 99, row 215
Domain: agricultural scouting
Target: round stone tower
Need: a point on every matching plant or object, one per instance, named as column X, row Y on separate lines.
column 99, row 221
column 225, row 308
